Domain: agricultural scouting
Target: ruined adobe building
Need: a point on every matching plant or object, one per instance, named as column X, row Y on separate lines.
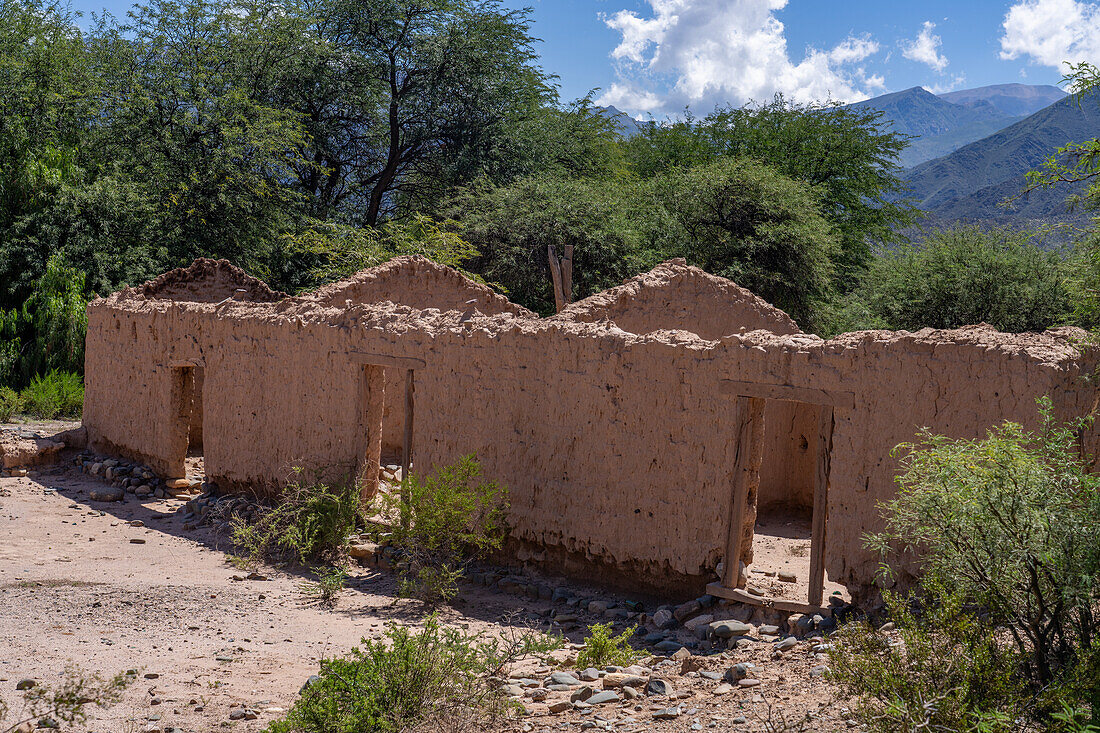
column 633, row 429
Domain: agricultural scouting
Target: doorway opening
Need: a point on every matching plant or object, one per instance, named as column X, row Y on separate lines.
column 187, row 458
column 386, row 398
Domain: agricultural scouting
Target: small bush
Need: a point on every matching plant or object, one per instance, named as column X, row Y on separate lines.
column 328, row 586
column 1011, row 524
column 945, row 670
column 65, row 703
column 441, row 523
column 311, row 523
column 54, row 394
column 11, row 403
column 436, row 677
column 602, row 648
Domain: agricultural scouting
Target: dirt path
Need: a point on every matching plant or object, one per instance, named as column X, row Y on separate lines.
column 117, row 586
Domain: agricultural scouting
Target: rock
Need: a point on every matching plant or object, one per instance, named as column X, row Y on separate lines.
column 512, row 690
column 590, row 675
column 538, row 694
column 662, row 618
column 597, row 607
column 136, row 541
column 693, row 623
column 20, row 451
column 723, row 689
column 708, row 675
column 690, row 664
column 26, row 684
column 748, row 682
column 564, row 678
column 737, row 672
column 106, row 493
column 687, row 610
column 560, row 706
column 152, row 676
column 612, row 680
column 177, row 483
column 658, row 686
column 631, row 693
column 786, row 576
column 604, row 697
column 769, row 629
column 313, row 679
column 888, row 626
column 582, row 694
column 729, row 628
column 143, row 490
column 669, row 646
column 789, row 643
column 681, row 654
column 666, row 714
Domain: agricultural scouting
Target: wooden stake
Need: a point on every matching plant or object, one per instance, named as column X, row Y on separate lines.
column 746, row 475
column 371, row 402
column 555, row 276
column 821, row 505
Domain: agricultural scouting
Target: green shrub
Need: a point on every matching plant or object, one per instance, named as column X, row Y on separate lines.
column 1011, row 523
column 441, row 523
column 10, row 403
column 327, row 588
column 945, row 670
column 602, row 648
column 54, row 394
column 64, row 703
column 965, row 275
column 311, row 523
column 435, row 677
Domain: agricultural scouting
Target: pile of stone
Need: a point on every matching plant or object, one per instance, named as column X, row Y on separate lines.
column 133, row 478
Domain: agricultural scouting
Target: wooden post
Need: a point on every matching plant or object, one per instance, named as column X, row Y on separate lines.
column 555, row 276
column 746, row 479
column 821, row 505
column 406, row 453
column 371, row 402
column 567, row 275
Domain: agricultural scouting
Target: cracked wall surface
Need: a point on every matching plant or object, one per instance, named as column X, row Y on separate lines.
column 616, row 446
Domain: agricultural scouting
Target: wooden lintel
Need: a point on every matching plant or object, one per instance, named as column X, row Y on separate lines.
column 790, row 393
column 384, row 360
column 736, row 594
column 180, row 363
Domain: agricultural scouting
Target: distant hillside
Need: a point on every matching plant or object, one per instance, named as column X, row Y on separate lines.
column 628, row 126
column 939, row 126
column 1017, row 100
column 971, row 182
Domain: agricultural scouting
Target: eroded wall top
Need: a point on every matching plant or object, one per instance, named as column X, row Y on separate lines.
column 674, row 296
column 207, row 281
column 417, row 282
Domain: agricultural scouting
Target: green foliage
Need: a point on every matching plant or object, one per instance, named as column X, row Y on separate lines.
column 602, row 647
column 311, row 522
column 11, row 403
column 435, row 677
column 54, row 394
column 614, row 227
column 65, row 703
column 326, row 590
column 1011, row 523
column 944, row 670
column 960, row 276
column 757, row 227
column 841, row 152
column 440, row 523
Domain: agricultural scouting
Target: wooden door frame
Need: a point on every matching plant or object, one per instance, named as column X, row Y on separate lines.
column 750, row 399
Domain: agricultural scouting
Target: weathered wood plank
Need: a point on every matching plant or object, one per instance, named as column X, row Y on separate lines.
column 371, row 402
column 746, row 477
column 811, row 395
column 719, row 590
column 821, row 505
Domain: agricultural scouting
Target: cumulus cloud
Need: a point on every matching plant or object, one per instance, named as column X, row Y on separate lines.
column 700, row 53
column 925, row 48
column 1050, row 32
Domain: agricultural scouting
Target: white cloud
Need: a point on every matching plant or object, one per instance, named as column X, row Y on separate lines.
column 957, row 81
column 925, row 48
column 1050, row 32
column 700, row 53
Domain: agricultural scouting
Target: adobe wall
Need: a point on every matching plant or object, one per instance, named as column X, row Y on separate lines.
column 674, row 296
column 616, row 448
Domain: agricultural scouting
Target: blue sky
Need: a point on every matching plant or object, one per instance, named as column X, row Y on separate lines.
column 658, row 56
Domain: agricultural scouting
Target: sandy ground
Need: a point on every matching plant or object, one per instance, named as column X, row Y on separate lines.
column 116, row 586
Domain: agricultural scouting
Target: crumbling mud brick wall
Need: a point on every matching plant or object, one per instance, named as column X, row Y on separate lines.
column 617, row 447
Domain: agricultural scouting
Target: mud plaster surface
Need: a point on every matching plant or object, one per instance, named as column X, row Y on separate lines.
column 615, row 444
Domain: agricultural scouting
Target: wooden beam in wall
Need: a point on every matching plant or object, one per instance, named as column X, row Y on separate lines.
column 790, row 393
column 821, row 505
column 371, row 396
column 719, row 590
column 384, row 360
column 746, row 470
column 406, row 453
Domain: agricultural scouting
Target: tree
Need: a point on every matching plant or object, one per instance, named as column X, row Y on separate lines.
column 840, row 151
column 965, row 275
column 613, row 225
column 757, row 227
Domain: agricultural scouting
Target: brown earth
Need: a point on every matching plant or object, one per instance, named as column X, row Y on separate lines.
column 81, row 583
